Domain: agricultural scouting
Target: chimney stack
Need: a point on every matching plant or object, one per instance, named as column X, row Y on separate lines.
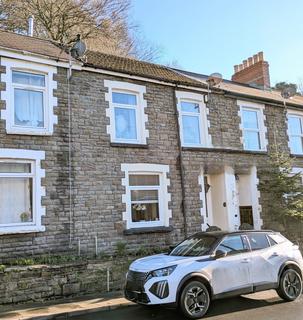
column 253, row 71
column 30, row 31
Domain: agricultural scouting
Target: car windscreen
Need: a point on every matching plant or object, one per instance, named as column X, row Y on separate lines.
column 196, row 245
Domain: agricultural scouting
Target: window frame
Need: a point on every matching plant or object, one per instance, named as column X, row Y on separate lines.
column 34, row 158
column 262, row 130
column 204, row 124
column 49, row 101
column 242, row 237
column 294, row 114
column 163, row 195
column 141, row 116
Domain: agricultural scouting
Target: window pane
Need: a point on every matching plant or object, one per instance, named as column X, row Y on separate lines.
column 8, row 167
column 143, row 180
column 15, row 200
column 125, row 123
column 29, row 78
column 29, row 108
column 250, row 119
column 124, row 98
column 190, row 107
column 191, row 130
column 296, row 145
column 145, row 212
column 232, row 245
column 251, row 140
column 295, row 125
column 144, row 195
column 258, row 241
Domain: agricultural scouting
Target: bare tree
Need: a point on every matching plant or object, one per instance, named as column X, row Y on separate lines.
column 103, row 24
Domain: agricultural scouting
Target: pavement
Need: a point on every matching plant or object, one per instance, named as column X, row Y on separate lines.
column 260, row 306
column 65, row 308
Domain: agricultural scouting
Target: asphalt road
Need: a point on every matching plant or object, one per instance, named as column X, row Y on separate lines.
column 260, row 306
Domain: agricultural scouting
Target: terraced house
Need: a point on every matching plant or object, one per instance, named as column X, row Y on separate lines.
column 104, row 149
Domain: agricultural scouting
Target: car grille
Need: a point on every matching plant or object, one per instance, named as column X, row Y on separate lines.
column 135, row 281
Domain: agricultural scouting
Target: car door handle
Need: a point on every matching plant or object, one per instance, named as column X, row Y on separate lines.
column 245, row 260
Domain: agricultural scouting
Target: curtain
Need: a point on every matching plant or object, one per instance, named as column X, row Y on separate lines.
column 15, row 200
column 28, row 108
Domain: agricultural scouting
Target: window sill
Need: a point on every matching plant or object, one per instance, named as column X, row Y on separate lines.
column 128, row 145
column 143, row 230
column 23, row 229
column 29, row 132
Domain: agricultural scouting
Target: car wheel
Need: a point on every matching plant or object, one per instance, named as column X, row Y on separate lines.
column 194, row 300
column 290, row 286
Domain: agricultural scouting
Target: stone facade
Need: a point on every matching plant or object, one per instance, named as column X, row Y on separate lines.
column 97, row 205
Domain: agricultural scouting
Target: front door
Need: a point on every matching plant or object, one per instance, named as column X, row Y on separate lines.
column 231, row 274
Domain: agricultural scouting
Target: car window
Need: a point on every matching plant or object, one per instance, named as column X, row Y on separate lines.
column 232, row 245
column 258, row 241
column 271, row 241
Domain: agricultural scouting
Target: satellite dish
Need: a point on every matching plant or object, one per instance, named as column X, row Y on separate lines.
column 214, row 79
column 78, row 49
column 288, row 92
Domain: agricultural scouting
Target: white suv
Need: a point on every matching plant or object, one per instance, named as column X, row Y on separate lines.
column 213, row 265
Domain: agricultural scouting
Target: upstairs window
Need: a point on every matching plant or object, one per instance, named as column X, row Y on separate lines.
column 29, row 97
column 191, row 123
column 252, row 126
column 295, row 132
column 193, row 120
column 126, row 115
column 126, row 112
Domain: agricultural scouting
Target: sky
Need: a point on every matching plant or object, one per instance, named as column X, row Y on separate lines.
column 207, row 36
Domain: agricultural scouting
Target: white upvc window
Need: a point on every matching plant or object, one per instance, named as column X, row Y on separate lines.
column 21, row 191
column 193, row 120
column 126, row 112
column 146, row 196
column 295, row 132
column 29, row 97
column 252, row 126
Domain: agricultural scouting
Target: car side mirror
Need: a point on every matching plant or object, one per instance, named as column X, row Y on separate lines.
column 220, row 254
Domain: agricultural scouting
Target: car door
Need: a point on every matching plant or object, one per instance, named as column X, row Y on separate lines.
column 266, row 260
column 231, row 274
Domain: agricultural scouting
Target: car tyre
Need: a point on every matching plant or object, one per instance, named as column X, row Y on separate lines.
column 290, row 285
column 194, row 300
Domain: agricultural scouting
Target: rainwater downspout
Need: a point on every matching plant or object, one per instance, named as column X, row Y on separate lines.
column 181, row 162
column 69, row 75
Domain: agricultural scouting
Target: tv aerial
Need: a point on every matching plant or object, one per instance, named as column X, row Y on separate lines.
column 78, row 49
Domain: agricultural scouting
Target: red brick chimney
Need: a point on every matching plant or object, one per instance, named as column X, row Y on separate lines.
column 253, row 71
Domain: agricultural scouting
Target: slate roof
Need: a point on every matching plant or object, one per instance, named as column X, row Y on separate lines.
column 138, row 68
column 99, row 60
column 34, row 45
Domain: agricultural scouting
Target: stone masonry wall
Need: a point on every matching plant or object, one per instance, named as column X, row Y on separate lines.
column 96, row 167
column 44, row 282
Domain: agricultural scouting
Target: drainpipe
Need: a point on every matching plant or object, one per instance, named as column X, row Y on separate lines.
column 181, row 163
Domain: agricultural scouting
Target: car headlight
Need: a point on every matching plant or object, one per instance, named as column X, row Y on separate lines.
column 164, row 272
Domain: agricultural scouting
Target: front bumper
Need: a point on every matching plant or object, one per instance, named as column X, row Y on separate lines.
column 142, row 289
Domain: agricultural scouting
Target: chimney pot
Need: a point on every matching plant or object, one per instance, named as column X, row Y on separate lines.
column 245, row 64
column 255, row 57
column 236, row 68
column 250, row 61
column 261, row 56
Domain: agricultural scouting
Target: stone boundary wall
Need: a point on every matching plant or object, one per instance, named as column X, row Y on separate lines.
column 45, row 282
